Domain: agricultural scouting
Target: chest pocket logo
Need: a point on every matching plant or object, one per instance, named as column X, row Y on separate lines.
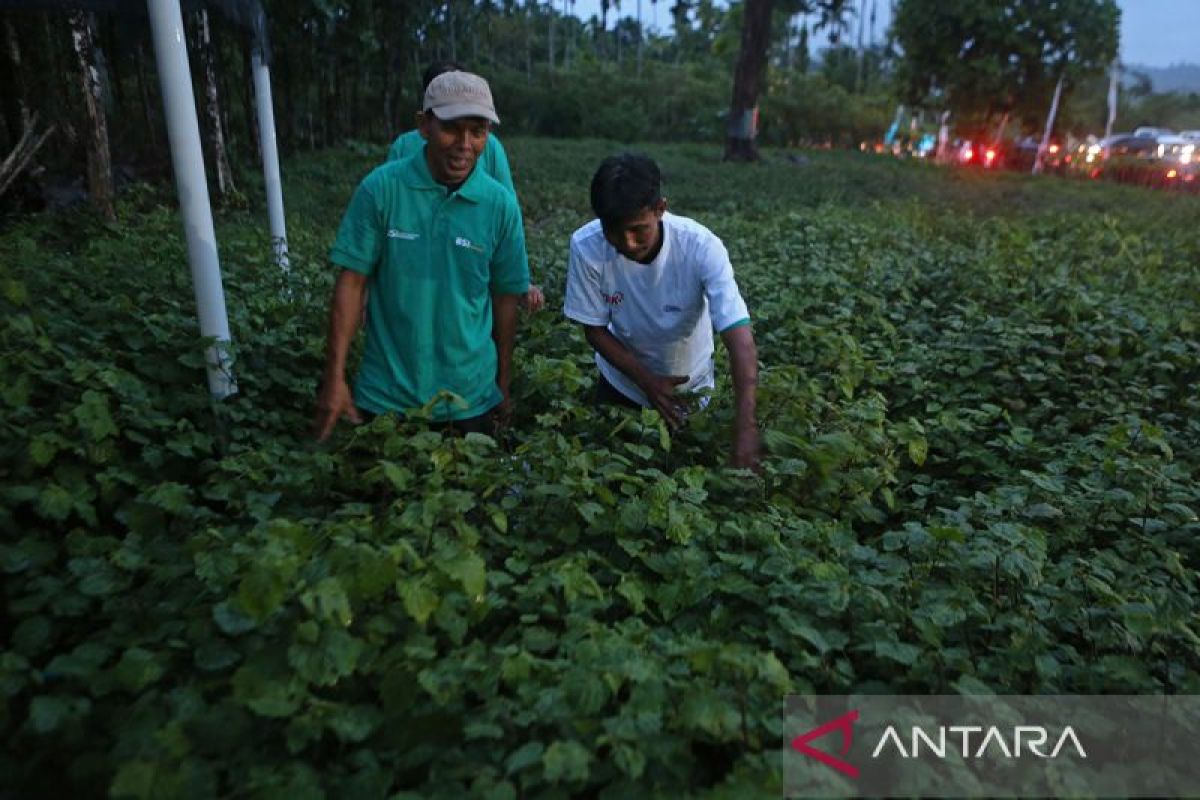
column 462, row 241
column 670, row 309
column 405, row 235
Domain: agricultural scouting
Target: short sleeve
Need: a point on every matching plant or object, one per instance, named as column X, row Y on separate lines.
column 361, row 235
column 584, row 299
column 404, row 146
column 510, row 261
column 725, row 303
column 497, row 164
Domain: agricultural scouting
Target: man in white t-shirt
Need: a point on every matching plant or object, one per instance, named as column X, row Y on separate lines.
column 649, row 287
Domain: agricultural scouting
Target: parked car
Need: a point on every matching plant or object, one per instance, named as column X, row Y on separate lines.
column 1177, row 161
column 1129, row 158
column 1176, row 150
column 1022, row 153
column 1152, row 133
column 968, row 153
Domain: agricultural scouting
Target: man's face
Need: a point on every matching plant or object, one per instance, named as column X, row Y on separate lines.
column 638, row 237
column 453, row 146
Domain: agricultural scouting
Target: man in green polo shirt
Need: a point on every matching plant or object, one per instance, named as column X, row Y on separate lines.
column 440, row 246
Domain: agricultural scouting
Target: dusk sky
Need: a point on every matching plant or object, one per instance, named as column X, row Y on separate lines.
column 1154, row 33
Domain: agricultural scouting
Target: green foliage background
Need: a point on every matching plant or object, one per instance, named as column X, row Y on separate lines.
column 979, row 392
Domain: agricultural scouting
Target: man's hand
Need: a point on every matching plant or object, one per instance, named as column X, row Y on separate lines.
column 502, row 413
column 333, row 403
column 747, row 448
column 534, row 299
column 743, row 362
column 660, row 391
column 346, row 311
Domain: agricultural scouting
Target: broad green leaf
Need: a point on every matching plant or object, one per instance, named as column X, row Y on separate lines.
column 524, row 756
column 420, row 600
column 231, row 619
column 332, row 657
column 566, row 761
column 268, row 694
column 354, row 723
column 138, row 668
column 630, row 759
column 134, row 779
column 328, row 602
column 918, row 449
column 48, row 712
column 55, row 502
column 466, row 567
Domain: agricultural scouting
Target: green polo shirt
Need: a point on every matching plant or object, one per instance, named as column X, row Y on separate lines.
column 493, row 159
column 433, row 258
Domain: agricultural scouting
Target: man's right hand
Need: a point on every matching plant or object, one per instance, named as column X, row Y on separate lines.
column 660, row 391
column 334, row 402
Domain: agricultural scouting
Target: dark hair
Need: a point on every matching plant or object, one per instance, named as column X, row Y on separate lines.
column 623, row 186
column 437, row 68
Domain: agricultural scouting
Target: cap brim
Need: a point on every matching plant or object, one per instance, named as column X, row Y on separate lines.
column 460, row 110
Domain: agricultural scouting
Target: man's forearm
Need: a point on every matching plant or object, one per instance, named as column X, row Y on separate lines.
column 345, row 312
column 617, row 354
column 504, row 335
column 743, row 363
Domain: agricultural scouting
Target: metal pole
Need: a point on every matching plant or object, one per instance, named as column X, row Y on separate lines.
column 1113, row 79
column 183, row 131
column 1041, row 153
column 270, row 158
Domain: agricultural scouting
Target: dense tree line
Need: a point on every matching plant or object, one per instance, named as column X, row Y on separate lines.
column 82, row 85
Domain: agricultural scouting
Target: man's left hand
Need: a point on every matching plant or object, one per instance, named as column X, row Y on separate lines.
column 534, row 299
column 747, row 449
column 502, row 414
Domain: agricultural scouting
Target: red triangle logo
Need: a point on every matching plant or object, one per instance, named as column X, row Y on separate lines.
column 845, row 724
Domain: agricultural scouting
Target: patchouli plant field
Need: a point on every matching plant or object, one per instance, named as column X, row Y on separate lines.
column 981, row 399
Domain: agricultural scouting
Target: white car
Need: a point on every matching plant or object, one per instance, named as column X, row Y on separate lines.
column 1176, row 150
column 1147, row 132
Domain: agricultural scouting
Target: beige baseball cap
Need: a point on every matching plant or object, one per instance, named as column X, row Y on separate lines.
column 452, row 95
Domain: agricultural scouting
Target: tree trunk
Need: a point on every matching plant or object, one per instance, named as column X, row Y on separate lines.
column 862, row 54
column 100, row 181
column 550, row 9
column 113, row 79
column 248, row 97
column 202, row 41
column 639, row 47
column 148, row 119
column 529, row 40
column 385, row 50
column 20, row 93
column 22, row 153
column 748, row 78
column 61, row 57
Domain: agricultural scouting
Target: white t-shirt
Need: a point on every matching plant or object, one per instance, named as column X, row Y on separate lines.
column 664, row 311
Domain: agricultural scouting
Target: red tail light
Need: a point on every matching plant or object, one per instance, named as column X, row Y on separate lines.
column 1172, row 174
column 990, row 156
column 968, row 155
column 1053, row 149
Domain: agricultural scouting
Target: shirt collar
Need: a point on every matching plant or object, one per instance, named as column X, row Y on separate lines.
column 417, row 176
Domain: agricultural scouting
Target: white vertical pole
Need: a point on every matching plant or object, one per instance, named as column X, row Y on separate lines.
column 270, row 157
column 1041, row 153
column 1112, row 98
column 943, row 137
column 183, row 131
